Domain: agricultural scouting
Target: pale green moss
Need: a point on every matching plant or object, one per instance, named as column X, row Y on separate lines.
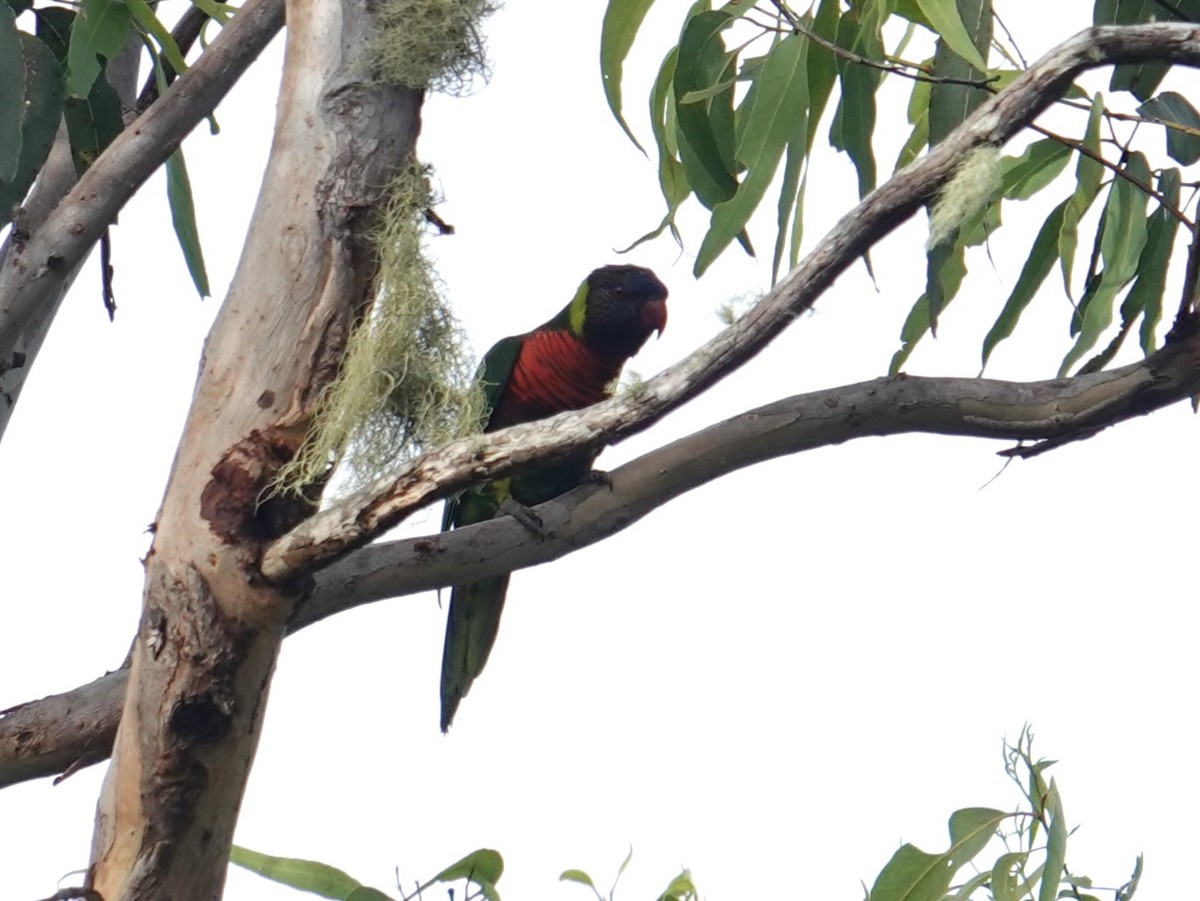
column 406, row 382
column 435, row 44
column 974, row 185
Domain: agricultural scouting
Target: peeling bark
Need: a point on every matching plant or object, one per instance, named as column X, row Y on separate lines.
column 211, row 627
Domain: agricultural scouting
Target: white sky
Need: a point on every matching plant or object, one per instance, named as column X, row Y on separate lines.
column 774, row 680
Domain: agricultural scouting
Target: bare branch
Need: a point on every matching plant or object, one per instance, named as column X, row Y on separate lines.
column 366, row 514
column 32, row 276
column 45, row 737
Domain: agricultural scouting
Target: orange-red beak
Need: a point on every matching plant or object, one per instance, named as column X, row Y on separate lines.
column 654, row 315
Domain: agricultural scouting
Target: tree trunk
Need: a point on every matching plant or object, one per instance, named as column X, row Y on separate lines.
column 210, row 629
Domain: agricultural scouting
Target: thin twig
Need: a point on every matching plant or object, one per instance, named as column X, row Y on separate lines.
column 1122, row 173
column 900, row 68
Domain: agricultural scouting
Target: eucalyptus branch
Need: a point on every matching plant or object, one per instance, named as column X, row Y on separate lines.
column 358, row 518
column 68, row 731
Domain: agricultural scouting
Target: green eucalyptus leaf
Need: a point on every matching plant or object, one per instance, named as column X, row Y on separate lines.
column 100, row 30
column 704, row 130
column 914, row 875
column 777, row 115
column 1146, row 295
column 12, row 100
column 306, row 875
column 1056, row 846
column 949, row 278
column 822, row 66
column 1140, row 79
column 1122, row 238
column 577, row 876
column 945, row 17
column 92, row 122
column 1038, row 165
column 42, row 113
column 366, row 893
column 622, row 19
column 1181, row 122
column 918, row 117
column 1042, row 257
column 1005, row 876
column 150, row 24
column 1088, row 174
column 951, row 104
column 54, row 25
column 484, row 866
column 183, row 218
column 853, row 126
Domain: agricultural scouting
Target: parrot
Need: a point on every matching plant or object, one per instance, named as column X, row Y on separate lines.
column 570, row 362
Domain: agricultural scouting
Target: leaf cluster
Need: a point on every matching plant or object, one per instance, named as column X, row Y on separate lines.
column 1026, row 866
column 56, row 72
column 740, row 99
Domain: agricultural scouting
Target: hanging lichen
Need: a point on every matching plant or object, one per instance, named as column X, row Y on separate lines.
column 406, row 382
column 435, row 44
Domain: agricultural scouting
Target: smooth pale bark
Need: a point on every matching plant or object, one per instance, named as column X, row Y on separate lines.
column 210, row 629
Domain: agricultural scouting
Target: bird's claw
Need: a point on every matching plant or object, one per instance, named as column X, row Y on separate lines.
column 599, row 477
column 524, row 515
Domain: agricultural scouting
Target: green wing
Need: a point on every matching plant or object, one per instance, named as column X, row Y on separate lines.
column 493, row 375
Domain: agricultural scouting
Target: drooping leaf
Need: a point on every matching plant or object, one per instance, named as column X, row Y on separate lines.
column 366, row 893
column 972, row 885
column 577, row 876
column 957, row 30
column 12, row 98
column 1146, row 295
column 918, row 118
column 1126, row 892
column 680, row 888
column 672, row 179
column 699, row 64
column 1005, row 875
column 183, row 207
column 1181, row 122
column 1140, row 79
column 1039, row 164
column 150, row 23
column 853, row 124
column 1056, row 846
column 781, row 99
column 92, row 122
column 822, row 67
column 54, row 29
column 914, row 875
column 622, row 19
column 1122, row 239
column 1042, row 257
column 183, row 218
column 484, row 866
column 950, row 104
column 950, row 275
column 306, row 875
column 100, row 30
column 42, row 113
column 1088, row 174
